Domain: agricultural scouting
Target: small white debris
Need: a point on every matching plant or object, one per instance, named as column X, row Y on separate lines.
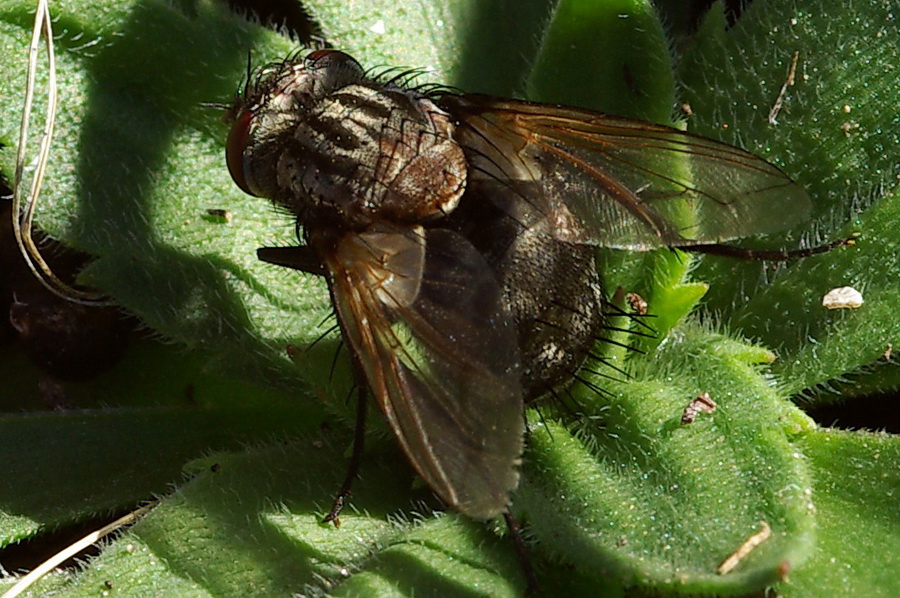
column 842, row 298
column 789, row 81
column 378, row 27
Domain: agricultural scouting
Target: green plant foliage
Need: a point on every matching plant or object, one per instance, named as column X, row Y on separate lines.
column 833, row 135
column 622, row 498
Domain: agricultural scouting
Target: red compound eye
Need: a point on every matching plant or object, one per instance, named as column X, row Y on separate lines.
column 238, row 138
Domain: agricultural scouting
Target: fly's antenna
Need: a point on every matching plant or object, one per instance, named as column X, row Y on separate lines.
column 22, row 212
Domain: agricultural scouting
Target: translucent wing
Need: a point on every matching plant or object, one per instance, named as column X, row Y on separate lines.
column 422, row 313
column 618, row 182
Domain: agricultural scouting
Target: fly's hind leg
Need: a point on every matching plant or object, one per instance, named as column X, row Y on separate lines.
column 766, row 254
column 515, row 531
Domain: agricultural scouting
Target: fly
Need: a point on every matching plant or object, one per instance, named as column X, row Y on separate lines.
column 456, row 233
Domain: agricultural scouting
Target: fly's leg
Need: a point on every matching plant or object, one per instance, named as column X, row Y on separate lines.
column 764, row 254
column 355, row 459
column 304, row 259
column 515, row 532
column 297, row 258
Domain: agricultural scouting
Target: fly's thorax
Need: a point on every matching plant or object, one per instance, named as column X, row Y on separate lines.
column 267, row 111
column 334, row 146
column 365, row 154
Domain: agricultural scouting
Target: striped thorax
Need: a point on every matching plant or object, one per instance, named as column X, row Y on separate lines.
column 334, row 147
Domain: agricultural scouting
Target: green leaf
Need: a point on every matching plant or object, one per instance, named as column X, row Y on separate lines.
column 618, row 72
column 650, row 502
column 832, row 135
column 72, row 465
column 855, row 495
column 249, row 524
column 625, row 499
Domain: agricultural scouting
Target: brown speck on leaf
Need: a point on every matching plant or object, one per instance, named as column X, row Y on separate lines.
column 220, row 214
column 638, row 304
column 702, row 403
column 849, row 127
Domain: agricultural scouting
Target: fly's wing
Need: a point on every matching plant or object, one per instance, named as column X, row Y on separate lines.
column 617, row 182
column 422, row 313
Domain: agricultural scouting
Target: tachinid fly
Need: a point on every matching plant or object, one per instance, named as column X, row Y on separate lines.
column 456, row 234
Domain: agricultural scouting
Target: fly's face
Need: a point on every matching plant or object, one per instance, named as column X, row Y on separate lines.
column 321, row 139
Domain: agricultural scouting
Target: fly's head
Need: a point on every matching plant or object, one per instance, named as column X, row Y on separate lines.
column 338, row 148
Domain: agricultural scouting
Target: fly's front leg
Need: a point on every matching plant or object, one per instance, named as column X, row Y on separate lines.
column 355, row 459
column 301, row 258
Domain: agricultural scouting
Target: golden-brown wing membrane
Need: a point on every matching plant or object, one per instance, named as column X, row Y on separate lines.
column 618, row 182
column 423, row 314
